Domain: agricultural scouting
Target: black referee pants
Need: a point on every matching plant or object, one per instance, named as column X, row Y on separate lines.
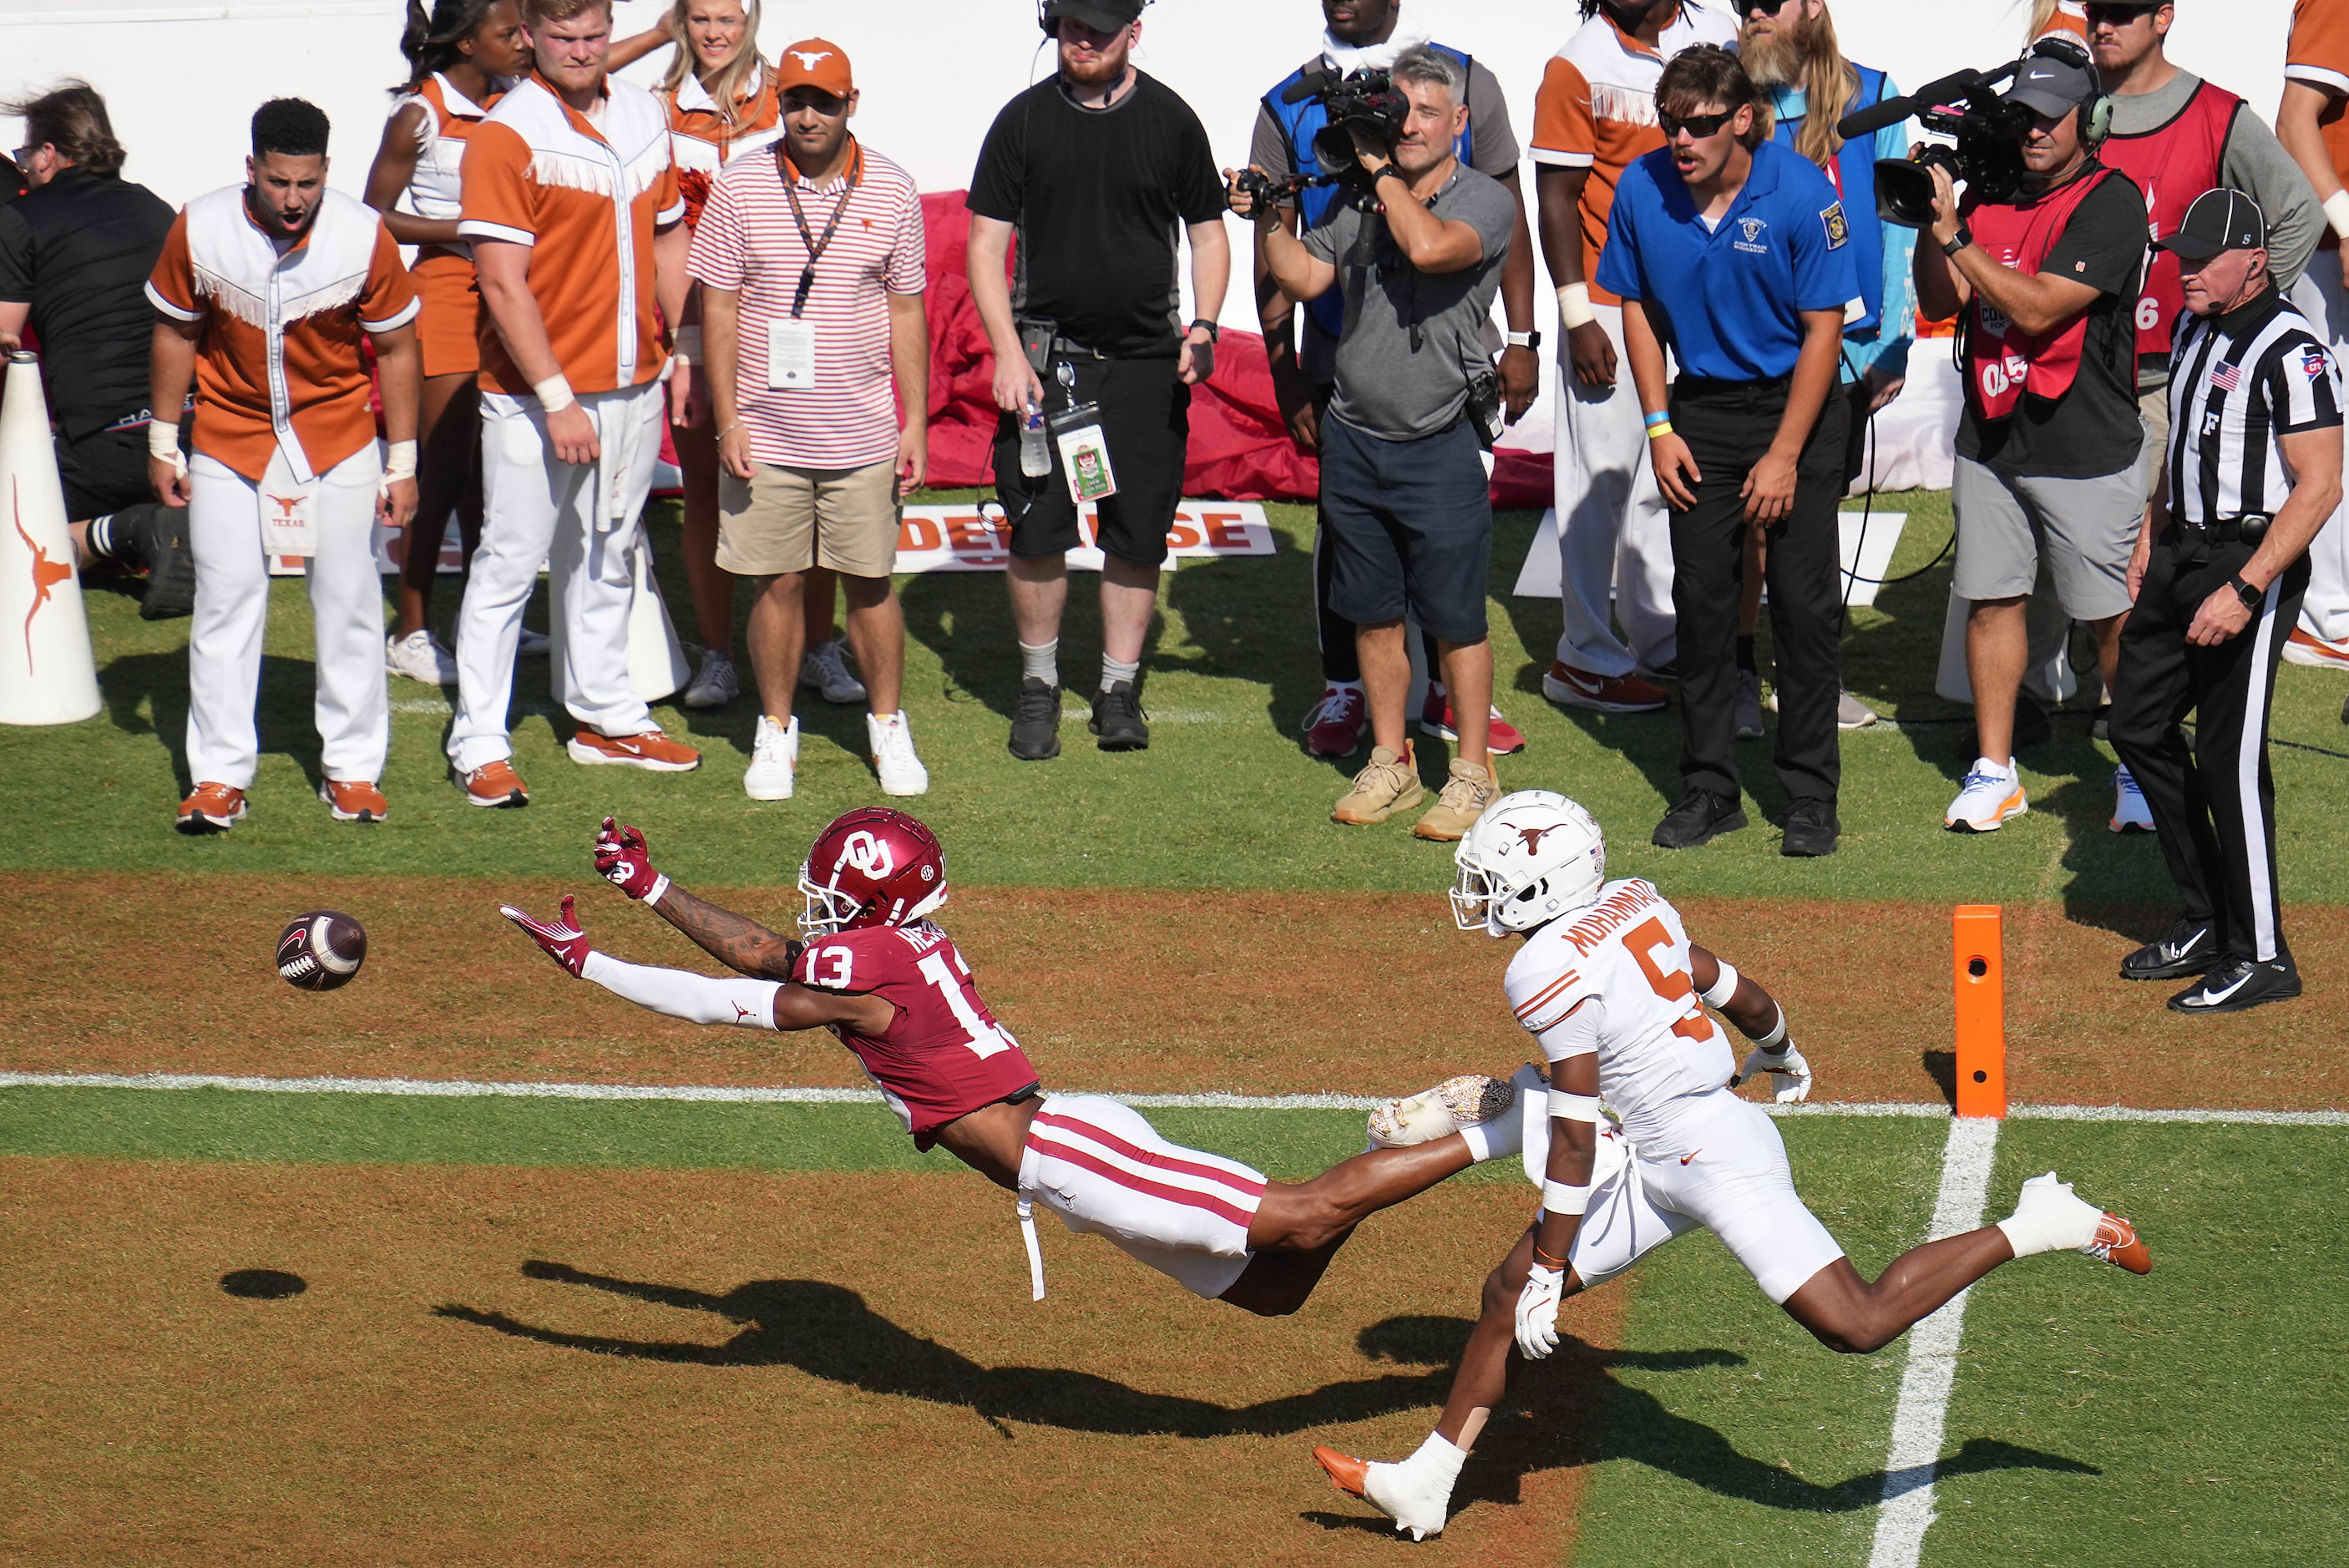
column 2213, row 803
column 1728, row 427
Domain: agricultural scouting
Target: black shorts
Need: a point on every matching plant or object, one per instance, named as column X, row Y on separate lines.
column 103, row 472
column 1147, row 418
column 1411, row 527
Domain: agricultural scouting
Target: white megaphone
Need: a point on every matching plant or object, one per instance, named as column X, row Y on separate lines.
column 657, row 663
column 47, row 675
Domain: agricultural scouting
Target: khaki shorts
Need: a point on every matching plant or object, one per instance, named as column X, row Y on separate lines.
column 2085, row 528
column 2153, row 414
column 788, row 519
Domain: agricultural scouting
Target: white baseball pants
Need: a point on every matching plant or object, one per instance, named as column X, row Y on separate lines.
column 1612, row 529
column 353, row 708
column 2325, row 612
column 584, row 523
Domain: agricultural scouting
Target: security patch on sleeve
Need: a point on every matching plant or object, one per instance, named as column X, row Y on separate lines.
column 1839, row 228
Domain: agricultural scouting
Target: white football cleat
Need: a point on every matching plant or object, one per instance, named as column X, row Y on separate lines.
column 1470, row 1099
column 1410, row 1500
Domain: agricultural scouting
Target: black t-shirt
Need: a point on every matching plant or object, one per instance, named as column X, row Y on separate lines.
column 1096, row 196
column 2092, row 427
column 79, row 249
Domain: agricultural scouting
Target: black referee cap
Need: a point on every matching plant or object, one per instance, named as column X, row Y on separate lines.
column 1102, row 16
column 2221, row 220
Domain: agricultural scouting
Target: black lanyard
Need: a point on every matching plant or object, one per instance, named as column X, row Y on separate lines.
column 815, row 247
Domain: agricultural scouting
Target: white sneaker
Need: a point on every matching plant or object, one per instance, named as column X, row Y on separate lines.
column 1992, row 795
column 1853, row 714
column 774, row 760
column 1468, row 1100
column 420, row 658
column 892, row 740
column 825, row 669
column 2130, row 813
column 531, row 644
column 714, row 685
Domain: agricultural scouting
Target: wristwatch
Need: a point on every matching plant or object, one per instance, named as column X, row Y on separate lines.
column 1958, row 241
column 1525, row 339
column 2251, row 597
column 1203, row 324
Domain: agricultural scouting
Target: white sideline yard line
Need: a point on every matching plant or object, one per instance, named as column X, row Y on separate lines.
column 1917, row 1419
column 730, row 1095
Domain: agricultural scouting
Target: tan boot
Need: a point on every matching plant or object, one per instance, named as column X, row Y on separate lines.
column 1467, row 793
column 1388, row 785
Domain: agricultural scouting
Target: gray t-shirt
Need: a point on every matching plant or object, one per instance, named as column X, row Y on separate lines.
column 1411, row 339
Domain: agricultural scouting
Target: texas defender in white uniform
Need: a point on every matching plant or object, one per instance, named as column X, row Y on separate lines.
column 1611, row 984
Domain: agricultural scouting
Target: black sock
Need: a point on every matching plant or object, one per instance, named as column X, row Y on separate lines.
column 1745, row 665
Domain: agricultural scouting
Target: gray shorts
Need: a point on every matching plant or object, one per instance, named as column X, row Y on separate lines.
column 2088, row 527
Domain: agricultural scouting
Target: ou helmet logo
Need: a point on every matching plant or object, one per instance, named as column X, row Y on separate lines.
column 869, row 854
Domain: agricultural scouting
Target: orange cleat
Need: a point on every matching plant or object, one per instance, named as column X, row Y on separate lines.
column 1346, row 1472
column 495, row 784
column 650, row 749
column 354, row 800
column 2118, row 1243
column 211, row 808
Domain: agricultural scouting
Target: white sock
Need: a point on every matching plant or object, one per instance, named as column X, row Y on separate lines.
column 1116, row 670
column 1041, row 661
column 1437, row 1460
column 1985, row 765
column 1493, row 1140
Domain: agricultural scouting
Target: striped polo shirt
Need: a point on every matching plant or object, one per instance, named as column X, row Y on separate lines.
column 747, row 243
column 2239, row 381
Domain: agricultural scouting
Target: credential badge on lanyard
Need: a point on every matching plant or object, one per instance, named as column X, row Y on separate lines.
column 790, row 345
column 1084, row 448
column 289, row 490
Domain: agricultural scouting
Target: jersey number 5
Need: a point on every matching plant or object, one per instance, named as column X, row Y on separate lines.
column 1671, row 985
column 983, row 1038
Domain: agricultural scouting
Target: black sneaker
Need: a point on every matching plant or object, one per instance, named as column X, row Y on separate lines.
column 2235, row 984
column 1036, row 721
column 154, row 538
column 1698, row 819
column 1811, row 829
column 2190, row 948
column 1117, row 719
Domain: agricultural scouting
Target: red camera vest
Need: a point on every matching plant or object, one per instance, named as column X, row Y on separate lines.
column 2002, row 361
column 2172, row 166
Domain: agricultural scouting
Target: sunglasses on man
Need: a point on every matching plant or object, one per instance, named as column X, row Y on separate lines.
column 1749, row 9
column 2116, row 15
column 1698, row 126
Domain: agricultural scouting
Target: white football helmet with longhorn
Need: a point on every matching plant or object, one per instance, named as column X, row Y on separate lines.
column 1533, row 856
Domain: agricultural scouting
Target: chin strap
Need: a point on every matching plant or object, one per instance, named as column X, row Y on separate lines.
column 1035, row 1253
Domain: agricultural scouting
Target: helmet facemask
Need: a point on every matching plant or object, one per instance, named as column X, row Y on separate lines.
column 828, row 910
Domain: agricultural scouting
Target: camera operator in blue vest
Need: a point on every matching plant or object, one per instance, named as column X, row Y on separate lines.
column 1370, row 34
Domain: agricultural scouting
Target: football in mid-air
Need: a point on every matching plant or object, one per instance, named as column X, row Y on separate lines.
column 321, row 950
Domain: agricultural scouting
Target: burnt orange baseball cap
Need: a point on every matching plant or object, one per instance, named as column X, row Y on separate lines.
column 815, row 62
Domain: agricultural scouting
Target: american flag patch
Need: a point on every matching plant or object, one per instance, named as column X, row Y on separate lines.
column 2224, row 375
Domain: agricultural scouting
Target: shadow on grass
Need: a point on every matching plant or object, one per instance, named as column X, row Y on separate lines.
column 147, row 693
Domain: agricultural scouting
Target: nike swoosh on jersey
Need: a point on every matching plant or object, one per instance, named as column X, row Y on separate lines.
column 1690, row 1155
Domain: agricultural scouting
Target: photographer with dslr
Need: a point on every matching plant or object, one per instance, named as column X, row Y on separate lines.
column 1733, row 252
column 1416, row 252
column 2047, row 448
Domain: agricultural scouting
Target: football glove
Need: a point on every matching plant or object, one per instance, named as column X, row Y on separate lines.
column 1790, row 1075
column 622, row 860
column 1537, row 1311
column 562, row 940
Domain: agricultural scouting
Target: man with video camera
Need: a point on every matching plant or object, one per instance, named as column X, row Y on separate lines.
column 1416, row 252
column 2047, row 448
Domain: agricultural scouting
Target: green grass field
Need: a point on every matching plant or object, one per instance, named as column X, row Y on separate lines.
column 538, row 1329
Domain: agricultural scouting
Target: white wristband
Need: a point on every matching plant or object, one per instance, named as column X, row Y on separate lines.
column 2336, row 212
column 400, row 461
column 1560, row 1199
column 661, row 886
column 163, row 440
column 1722, row 989
column 1574, row 305
column 1776, row 1039
column 553, row 394
column 1574, row 1107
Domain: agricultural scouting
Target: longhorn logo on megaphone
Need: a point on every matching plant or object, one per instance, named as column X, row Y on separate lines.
column 47, row 673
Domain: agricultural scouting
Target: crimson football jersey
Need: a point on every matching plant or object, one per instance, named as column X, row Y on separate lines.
column 944, row 1056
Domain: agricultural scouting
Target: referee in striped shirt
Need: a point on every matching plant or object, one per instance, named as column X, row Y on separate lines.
column 2252, row 471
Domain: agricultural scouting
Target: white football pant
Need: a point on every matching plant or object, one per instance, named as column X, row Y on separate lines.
column 2325, row 612
column 353, row 705
column 1612, row 528
column 583, row 523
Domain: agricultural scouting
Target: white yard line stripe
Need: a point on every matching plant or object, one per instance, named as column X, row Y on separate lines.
column 753, row 1094
column 1932, row 1367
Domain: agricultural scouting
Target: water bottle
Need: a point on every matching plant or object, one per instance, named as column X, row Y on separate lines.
column 1035, row 454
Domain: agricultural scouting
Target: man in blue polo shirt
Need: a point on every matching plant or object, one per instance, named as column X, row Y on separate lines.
column 1739, row 254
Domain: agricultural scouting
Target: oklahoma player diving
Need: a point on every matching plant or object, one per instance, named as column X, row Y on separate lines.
column 1609, row 983
column 877, row 973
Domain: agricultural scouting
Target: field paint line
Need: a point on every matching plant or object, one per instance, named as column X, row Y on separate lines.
column 754, row 1095
column 1924, row 1404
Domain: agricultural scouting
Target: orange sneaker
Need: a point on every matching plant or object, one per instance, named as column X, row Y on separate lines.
column 354, row 800
column 2299, row 648
column 212, row 809
column 495, row 784
column 650, row 749
column 1346, row 1472
column 1606, row 693
column 2118, row 1243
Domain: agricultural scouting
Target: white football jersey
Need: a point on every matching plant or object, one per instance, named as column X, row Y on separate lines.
column 1615, row 980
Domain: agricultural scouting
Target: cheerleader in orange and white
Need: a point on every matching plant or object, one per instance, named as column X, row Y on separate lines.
column 462, row 58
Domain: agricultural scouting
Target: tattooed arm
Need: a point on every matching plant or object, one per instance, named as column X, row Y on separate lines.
column 742, row 945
